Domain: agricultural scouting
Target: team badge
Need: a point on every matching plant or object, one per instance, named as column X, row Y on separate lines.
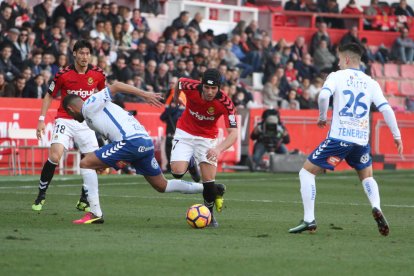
column 90, row 80
column 364, row 158
column 333, row 160
column 210, row 110
column 154, row 163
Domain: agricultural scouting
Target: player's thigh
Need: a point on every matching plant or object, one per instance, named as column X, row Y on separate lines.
column 91, row 161
column 360, row 159
column 329, row 154
column 181, row 153
column 85, row 138
column 62, row 134
column 208, row 171
column 201, row 148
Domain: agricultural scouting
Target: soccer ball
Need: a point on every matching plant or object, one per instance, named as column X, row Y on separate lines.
column 198, row 216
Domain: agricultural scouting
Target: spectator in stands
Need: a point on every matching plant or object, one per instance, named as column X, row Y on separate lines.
column 290, row 72
column 163, row 78
column 270, row 93
column 99, row 30
column 48, row 63
column 315, row 88
column 239, row 28
column 271, row 66
column 35, row 88
column 207, row 40
column 351, row 37
column 369, row 55
column 104, row 14
column 150, row 6
column 292, row 5
column 27, row 73
column 284, row 86
column 270, row 136
column 323, row 59
column 321, row 34
column 158, row 54
column 86, row 12
column 78, row 31
column 181, row 21
column 352, row 8
column 43, row 39
column 150, row 77
column 14, row 89
column 113, row 13
column 6, row 20
column 374, row 9
column 253, row 30
column 139, row 22
column 3, row 85
column 404, row 9
column 119, row 69
column 6, row 66
column 332, row 22
column 65, row 10
column 291, row 101
column 306, row 69
column 13, row 40
column 195, row 23
column 35, row 61
column 285, row 55
column 305, row 100
column 43, row 10
column 403, row 48
column 298, row 49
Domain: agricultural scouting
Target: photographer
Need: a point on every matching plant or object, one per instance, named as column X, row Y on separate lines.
column 271, row 136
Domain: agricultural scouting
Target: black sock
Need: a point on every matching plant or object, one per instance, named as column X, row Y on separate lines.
column 84, row 195
column 46, row 177
column 209, row 194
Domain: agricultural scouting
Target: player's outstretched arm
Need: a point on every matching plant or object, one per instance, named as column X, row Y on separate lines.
column 149, row 97
column 40, row 130
column 389, row 117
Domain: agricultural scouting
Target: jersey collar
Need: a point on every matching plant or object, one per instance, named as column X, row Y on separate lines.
column 72, row 66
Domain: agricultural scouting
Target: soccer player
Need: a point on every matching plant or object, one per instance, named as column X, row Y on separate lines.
column 81, row 79
column 352, row 92
column 130, row 142
column 196, row 133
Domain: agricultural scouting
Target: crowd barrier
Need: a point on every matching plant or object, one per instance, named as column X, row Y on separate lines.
column 305, row 135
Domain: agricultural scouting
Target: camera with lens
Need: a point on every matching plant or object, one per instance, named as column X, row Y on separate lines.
column 272, row 133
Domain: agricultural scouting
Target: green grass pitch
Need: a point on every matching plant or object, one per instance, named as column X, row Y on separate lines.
column 145, row 232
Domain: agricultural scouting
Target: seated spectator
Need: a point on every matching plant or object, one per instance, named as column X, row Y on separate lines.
column 284, row 86
column 139, row 22
column 14, row 89
column 43, row 10
column 404, row 9
column 305, row 100
column 6, row 20
column 352, row 8
column 323, row 59
column 181, row 21
column 271, row 66
column 332, row 22
column 196, row 21
column 3, row 85
column 351, row 37
column 291, row 101
column 321, row 34
column 290, row 72
column 315, row 88
column 369, row 56
column 270, row 93
column 150, row 6
column 298, row 49
column 292, row 5
column 306, row 69
column 35, row 88
column 374, row 9
column 6, row 65
column 403, row 48
column 270, row 136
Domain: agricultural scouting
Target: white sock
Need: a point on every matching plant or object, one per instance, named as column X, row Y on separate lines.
column 90, row 180
column 372, row 191
column 308, row 191
column 184, row 187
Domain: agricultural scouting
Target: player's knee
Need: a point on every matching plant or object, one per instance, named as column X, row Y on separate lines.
column 177, row 175
column 84, row 164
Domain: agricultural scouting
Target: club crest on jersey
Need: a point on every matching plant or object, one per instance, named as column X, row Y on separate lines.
column 333, row 160
column 210, row 110
column 154, row 163
column 90, row 81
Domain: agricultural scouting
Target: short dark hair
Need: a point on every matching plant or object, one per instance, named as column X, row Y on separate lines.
column 82, row 44
column 351, row 47
column 68, row 100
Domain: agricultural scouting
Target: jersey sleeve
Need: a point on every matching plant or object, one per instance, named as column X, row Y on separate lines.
column 188, row 85
column 378, row 97
column 230, row 112
column 56, row 84
column 97, row 101
column 330, row 83
column 102, row 82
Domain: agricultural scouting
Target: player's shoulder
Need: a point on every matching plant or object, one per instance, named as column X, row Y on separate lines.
column 188, row 84
column 63, row 71
column 94, row 68
column 225, row 101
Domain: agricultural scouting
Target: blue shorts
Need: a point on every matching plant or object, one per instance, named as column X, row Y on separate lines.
column 331, row 152
column 138, row 153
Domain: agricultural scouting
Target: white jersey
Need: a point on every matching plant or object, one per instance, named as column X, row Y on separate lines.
column 353, row 92
column 109, row 119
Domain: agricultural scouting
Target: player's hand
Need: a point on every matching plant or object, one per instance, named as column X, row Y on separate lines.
column 399, row 144
column 213, row 154
column 321, row 124
column 40, row 130
column 154, row 99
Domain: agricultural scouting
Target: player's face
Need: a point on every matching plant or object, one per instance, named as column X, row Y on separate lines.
column 82, row 57
column 209, row 92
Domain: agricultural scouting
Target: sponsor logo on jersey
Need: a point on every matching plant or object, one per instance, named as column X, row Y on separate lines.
column 232, row 120
column 154, row 163
column 210, row 110
column 144, row 149
column 333, row 160
column 90, row 80
column 82, row 93
column 200, row 116
column 364, row 158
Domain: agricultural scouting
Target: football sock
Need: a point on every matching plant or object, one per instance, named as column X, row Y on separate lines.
column 46, row 177
column 372, row 191
column 308, row 191
column 90, row 180
column 185, row 187
column 209, row 194
column 83, row 196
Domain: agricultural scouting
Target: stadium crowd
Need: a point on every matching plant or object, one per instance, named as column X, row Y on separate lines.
column 35, row 42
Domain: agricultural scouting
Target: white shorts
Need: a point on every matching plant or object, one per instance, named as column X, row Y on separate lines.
column 67, row 129
column 186, row 145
